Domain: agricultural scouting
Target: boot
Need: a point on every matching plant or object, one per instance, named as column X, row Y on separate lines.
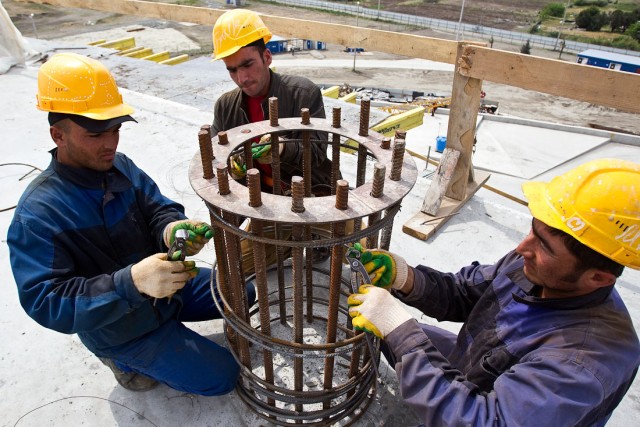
column 130, row 380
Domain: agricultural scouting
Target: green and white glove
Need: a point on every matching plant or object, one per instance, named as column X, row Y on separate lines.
column 375, row 310
column 159, row 278
column 386, row 270
column 199, row 234
column 262, row 152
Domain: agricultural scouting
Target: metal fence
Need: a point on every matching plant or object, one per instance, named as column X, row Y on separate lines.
column 470, row 30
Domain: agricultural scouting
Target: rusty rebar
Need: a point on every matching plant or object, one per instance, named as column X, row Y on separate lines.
column 385, row 143
column 362, row 165
column 253, row 183
column 298, row 303
column 365, row 107
column 248, row 155
column 306, row 116
column 336, row 117
column 342, row 194
column 273, row 111
column 379, row 171
column 260, row 268
column 223, row 179
column 223, row 139
column 397, row 159
column 308, row 261
column 275, row 164
column 206, row 153
column 297, row 194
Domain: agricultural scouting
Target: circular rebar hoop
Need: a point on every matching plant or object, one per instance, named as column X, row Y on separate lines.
column 301, row 315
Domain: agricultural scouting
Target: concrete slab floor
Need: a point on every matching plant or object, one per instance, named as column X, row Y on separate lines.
column 48, row 378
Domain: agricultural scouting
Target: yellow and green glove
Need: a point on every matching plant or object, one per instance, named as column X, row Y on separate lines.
column 199, row 234
column 375, row 310
column 157, row 277
column 238, row 166
column 386, row 270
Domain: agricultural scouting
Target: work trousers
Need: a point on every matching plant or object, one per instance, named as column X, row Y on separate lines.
column 179, row 357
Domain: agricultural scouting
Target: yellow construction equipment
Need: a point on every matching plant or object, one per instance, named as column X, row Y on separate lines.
column 140, row 54
column 331, row 92
column 95, row 42
column 120, row 44
column 157, row 57
column 175, row 60
column 350, row 97
column 431, row 103
column 130, row 50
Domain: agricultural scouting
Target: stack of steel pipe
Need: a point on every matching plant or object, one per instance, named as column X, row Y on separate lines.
column 301, row 361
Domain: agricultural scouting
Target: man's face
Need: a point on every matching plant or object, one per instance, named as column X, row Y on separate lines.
column 548, row 263
column 250, row 70
column 80, row 148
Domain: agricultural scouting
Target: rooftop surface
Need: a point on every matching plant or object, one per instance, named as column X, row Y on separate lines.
column 48, row 378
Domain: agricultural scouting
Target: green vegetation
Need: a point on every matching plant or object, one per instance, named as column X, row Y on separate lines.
column 526, row 48
column 591, row 19
column 553, row 9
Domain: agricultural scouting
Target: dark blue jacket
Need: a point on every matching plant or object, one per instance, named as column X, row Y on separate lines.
column 73, row 239
column 519, row 360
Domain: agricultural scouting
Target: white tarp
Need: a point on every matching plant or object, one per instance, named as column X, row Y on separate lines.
column 14, row 49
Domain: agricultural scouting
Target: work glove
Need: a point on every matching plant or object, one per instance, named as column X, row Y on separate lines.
column 375, row 310
column 386, row 270
column 262, row 154
column 199, row 235
column 157, row 277
column 238, row 166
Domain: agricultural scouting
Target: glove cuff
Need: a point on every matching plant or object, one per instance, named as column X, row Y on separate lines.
column 166, row 233
column 395, row 316
column 402, row 272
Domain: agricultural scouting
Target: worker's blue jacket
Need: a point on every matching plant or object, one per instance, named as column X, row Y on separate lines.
column 73, row 239
column 519, row 360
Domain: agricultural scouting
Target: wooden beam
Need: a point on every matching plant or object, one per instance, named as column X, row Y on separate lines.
column 440, row 182
column 615, row 89
column 413, row 46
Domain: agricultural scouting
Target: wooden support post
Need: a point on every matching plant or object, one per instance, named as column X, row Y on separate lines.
column 462, row 124
column 440, row 181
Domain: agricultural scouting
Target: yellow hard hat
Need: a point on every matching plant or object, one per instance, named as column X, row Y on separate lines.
column 598, row 203
column 74, row 84
column 235, row 29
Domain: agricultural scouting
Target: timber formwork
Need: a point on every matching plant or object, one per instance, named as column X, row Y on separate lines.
column 301, row 361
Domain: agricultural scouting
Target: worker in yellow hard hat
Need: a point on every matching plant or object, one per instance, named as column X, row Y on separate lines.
column 546, row 338
column 239, row 40
column 89, row 245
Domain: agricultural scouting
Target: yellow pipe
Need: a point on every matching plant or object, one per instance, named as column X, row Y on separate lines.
column 350, row 97
column 97, row 42
column 175, row 60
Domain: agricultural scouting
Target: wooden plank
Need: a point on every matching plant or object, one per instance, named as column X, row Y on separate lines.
column 611, row 88
column 413, row 46
column 463, row 114
column 440, row 182
column 423, row 226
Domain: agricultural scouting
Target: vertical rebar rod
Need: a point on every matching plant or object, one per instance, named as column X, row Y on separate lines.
column 260, row 268
column 379, row 171
column 273, row 111
column 308, row 261
column 297, row 194
column 385, row 143
column 365, row 107
column 396, row 159
column 298, row 303
column 306, row 152
column 335, row 282
column 223, row 139
column 335, row 149
column 223, row 179
column 206, row 151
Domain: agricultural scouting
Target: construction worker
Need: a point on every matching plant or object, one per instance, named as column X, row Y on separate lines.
column 239, row 40
column 89, row 242
column 546, row 338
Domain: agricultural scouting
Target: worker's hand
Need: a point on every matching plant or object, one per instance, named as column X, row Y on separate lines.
column 386, row 270
column 199, row 235
column 262, row 153
column 376, row 310
column 157, row 277
column 238, row 166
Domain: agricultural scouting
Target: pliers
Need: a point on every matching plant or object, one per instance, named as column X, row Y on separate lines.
column 179, row 243
column 352, row 256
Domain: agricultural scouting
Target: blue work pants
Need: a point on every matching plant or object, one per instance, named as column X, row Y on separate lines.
column 179, row 357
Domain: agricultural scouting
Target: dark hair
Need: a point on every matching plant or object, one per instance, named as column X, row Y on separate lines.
column 587, row 257
column 259, row 44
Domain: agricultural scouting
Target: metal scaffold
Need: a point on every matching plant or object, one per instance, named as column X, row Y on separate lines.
column 301, row 360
